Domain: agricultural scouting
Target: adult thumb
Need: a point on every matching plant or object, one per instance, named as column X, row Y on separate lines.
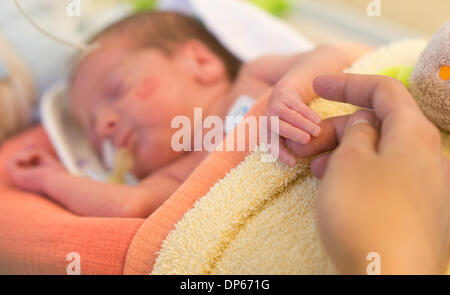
column 360, row 133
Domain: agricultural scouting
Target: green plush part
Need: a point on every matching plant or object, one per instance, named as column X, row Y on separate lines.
column 402, row 73
column 275, row 7
column 144, row 5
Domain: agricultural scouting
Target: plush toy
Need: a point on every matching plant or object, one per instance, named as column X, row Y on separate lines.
column 430, row 81
column 402, row 73
column 275, row 7
column 144, row 5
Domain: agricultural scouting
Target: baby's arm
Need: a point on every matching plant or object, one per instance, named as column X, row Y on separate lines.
column 335, row 57
column 37, row 171
column 86, row 197
column 293, row 78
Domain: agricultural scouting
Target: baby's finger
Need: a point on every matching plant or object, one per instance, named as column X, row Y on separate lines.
column 290, row 132
column 48, row 159
column 29, row 145
column 24, row 157
column 285, row 156
column 388, row 97
column 16, row 173
column 28, row 158
column 297, row 120
column 11, row 165
column 327, row 141
column 25, row 179
column 295, row 102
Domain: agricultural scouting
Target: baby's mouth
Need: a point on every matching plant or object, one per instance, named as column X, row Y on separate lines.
column 127, row 141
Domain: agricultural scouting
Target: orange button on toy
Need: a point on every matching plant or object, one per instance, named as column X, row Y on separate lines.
column 444, row 73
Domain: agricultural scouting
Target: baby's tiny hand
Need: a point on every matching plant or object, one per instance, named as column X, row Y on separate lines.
column 297, row 121
column 30, row 168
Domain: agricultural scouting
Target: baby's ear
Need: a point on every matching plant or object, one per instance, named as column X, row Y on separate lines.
column 201, row 61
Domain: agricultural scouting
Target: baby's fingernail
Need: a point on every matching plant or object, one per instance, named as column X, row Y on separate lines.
column 317, row 120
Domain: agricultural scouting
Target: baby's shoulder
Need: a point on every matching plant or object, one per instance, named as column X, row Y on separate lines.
column 246, row 82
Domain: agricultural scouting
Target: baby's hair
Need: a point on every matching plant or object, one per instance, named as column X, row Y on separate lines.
column 166, row 31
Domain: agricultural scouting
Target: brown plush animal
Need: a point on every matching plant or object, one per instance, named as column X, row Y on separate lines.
column 430, row 80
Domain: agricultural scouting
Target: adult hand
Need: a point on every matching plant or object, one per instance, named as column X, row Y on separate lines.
column 385, row 188
column 294, row 90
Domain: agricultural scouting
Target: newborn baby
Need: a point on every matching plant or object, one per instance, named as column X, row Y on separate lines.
column 146, row 70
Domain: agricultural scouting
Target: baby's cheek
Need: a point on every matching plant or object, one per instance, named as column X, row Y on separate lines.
column 147, row 88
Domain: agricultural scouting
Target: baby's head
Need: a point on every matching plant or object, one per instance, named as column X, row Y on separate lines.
column 146, row 70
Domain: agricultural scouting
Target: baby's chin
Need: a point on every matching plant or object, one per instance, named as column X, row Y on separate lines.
column 149, row 158
column 144, row 167
column 138, row 173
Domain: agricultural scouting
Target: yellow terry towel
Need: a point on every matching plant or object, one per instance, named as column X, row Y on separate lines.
column 260, row 218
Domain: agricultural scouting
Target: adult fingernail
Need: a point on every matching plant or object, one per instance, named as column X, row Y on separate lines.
column 316, row 131
column 360, row 121
column 304, row 139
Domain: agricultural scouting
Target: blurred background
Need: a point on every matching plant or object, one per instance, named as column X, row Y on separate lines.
column 30, row 62
column 328, row 20
column 322, row 21
column 319, row 20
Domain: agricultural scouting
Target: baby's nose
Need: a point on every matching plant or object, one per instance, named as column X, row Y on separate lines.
column 106, row 125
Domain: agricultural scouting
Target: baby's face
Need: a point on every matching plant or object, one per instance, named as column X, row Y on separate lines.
column 131, row 97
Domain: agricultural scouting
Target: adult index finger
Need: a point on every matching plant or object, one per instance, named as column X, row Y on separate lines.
column 386, row 96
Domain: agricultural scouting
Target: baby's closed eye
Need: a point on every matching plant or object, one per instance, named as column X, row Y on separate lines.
column 114, row 88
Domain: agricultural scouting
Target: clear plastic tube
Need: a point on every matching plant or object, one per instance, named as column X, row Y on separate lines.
column 81, row 47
